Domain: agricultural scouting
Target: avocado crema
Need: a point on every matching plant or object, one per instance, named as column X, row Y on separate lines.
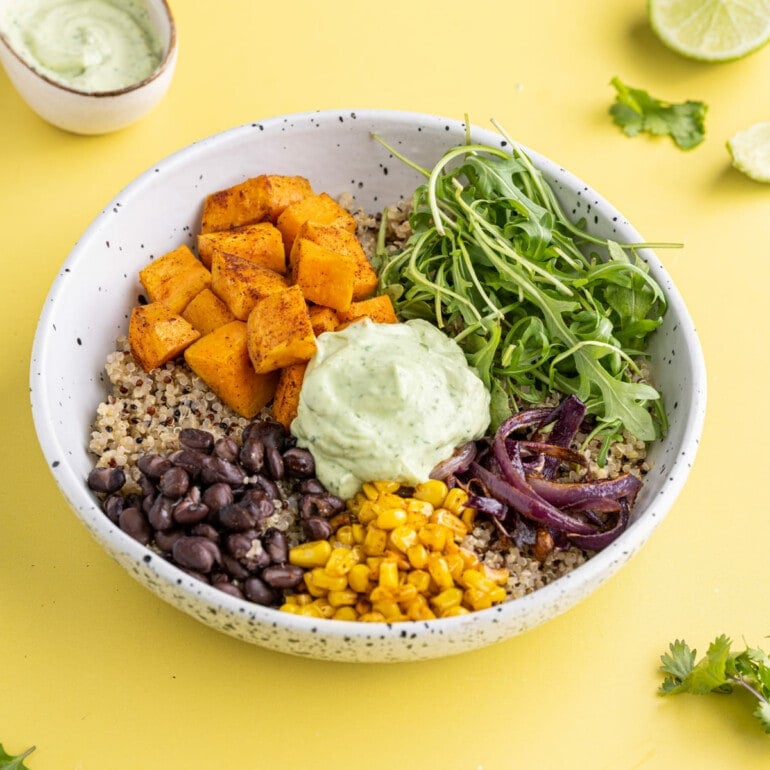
column 387, row 402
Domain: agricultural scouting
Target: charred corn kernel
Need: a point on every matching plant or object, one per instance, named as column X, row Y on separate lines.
column 499, row 575
column 456, row 565
column 311, row 554
column 372, row 617
column 358, row 578
column 367, row 512
column 340, row 520
column 469, row 517
column 298, row 599
column 310, row 610
column 394, row 555
column 418, row 512
column 344, row 535
column 320, row 578
column 434, row 536
column 363, row 606
column 473, row 578
column 449, row 520
column 417, row 555
column 388, row 577
column 375, row 541
column 359, row 533
column 391, row 517
column 439, row 571
column 469, row 558
column 313, row 590
column 387, row 487
column 341, row 598
column 341, row 561
column 373, row 562
column 419, row 609
column 403, row 537
column 370, row 491
column 404, row 592
column 323, row 606
column 420, row 579
column 345, row 613
column 455, row 500
column 477, row 599
column 290, row 607
column 433, row 491
column 449, row 597
column 453, row 611
column 390, row 610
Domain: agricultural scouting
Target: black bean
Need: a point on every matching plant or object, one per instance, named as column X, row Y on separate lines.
column 258, row 591
column 228, row 588
column 236, row 517
column 317, row 528
column 218, row 496
column 226, row 448
column 215, row 469
column 192, row 461
column 187, row 511
column 248, row 550
column 298, row 463
column 234, row 568
column 174, row 482
column 107, row 480
column 153, row 465
column 113, row 506
column 268, row 486
column 196, row 553
column 320, row 505
column 147, row 485
column 206, row 530
column 159, row 514
column 274, row 542
column 200, row 440
column 133, row 522
column 283, row 576
column 165, row 540
column 252, row 455
column 275, row 462
column 312, row 487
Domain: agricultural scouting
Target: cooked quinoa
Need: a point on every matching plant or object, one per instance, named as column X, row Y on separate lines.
column 144, row 412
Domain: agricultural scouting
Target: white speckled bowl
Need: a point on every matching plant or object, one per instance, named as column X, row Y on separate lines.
column 83, row 112
column 88, row 305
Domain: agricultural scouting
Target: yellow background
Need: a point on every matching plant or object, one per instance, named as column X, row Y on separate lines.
column 101, row 675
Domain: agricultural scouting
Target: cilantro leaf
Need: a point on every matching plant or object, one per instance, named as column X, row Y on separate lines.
column 720, row 670
column 14, row 762
column 635, row 111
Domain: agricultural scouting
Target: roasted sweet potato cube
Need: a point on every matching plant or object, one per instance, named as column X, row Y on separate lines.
column 206, row 312
column 239, row 283
column 322, row 319
column 336, row 238
column 325, row 277
column 276, row 192
column 321, row 208
column 279, row 331
column 379, row 309
column 286, row 400
column 221, row 360
column 260, row 243
column 234, row 206
column 174, row 278
column 156, row 335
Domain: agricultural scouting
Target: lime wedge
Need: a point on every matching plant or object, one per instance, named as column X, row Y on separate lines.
column 750, row 151
column 711, row 30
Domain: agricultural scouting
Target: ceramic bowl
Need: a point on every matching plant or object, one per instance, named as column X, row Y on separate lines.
column 101, row 112
column 87, row 309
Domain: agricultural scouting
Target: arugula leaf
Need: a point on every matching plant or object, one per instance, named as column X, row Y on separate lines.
column 720, row 670
column 635, row 111
column 537, row 303
column 14, row 762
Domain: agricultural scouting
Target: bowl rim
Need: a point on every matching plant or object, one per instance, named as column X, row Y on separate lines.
column 168, row 56
column 583, row 579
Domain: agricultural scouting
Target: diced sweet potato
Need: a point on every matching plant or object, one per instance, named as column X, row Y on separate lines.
column 320, row 208
column 206, row 312
column 276, row 192
column 240, row 282
column 157, row 335
column 286, row 400
column 238, row 205
column 279, row 331
column 221, row 360
column 322, row 319
column 379, row 309
column 260, row 243
column 174, row 278
column 336, row 238
column 325, row 277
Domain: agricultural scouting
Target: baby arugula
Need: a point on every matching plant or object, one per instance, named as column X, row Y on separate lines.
column 719, row 671
column 537, row 302
column 11, row 762
column 635, row 111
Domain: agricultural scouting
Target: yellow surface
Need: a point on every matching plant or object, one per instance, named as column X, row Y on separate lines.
column 101, row 675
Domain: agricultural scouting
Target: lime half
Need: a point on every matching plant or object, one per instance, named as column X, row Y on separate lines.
column 711, row 30
column 750, row 151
